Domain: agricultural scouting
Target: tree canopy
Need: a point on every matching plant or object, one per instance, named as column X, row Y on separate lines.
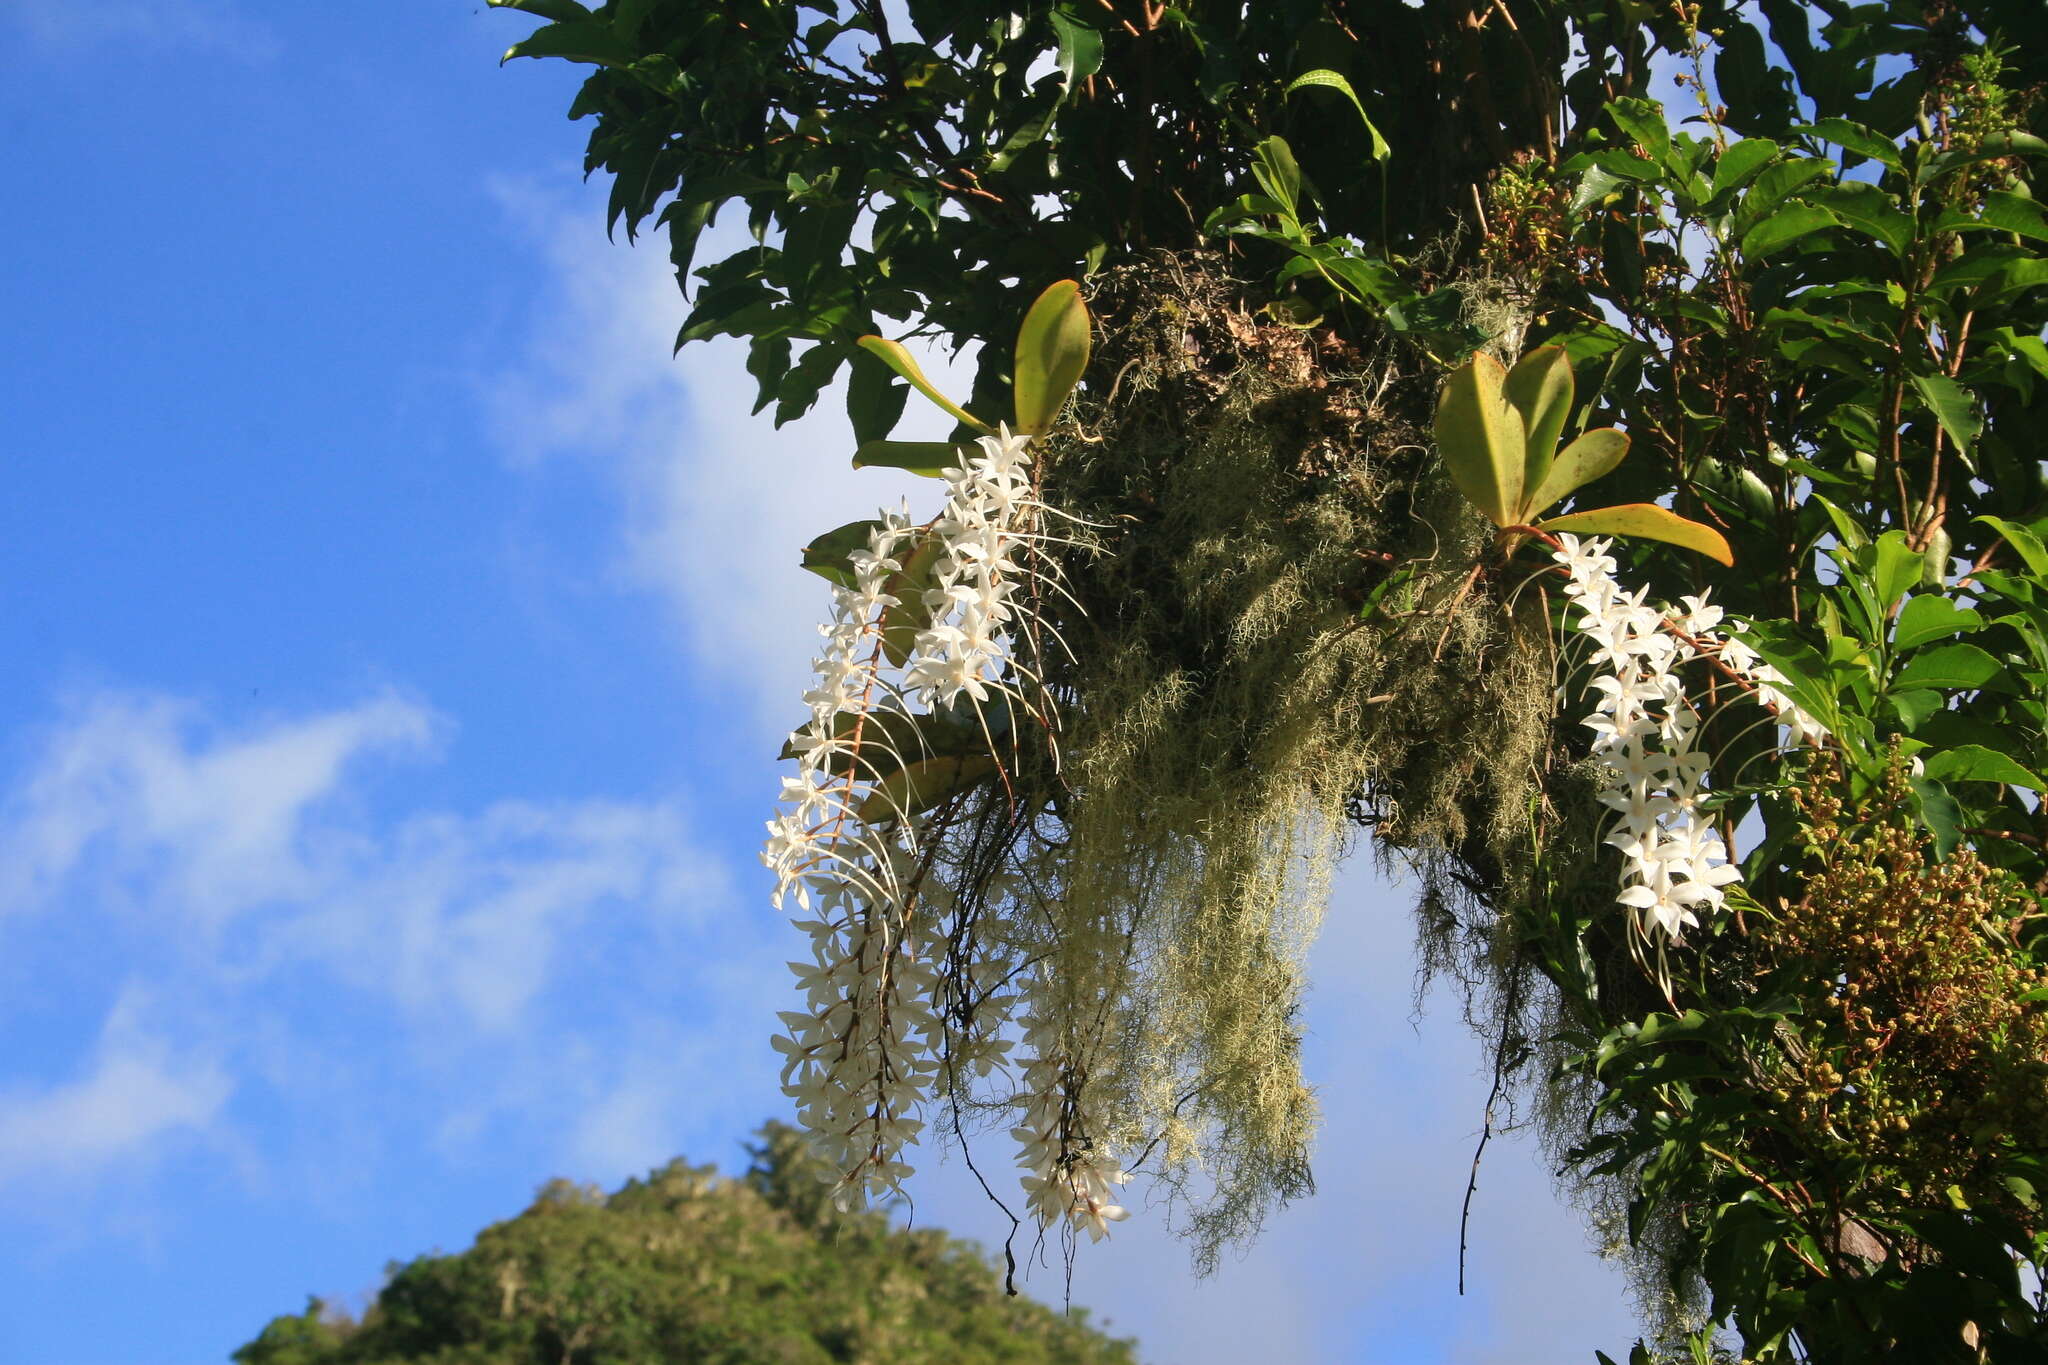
column 1723, row 778
column 684, row 1266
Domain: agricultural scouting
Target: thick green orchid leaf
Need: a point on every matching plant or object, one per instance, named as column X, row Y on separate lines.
column 885, row 742
column 1646, row 521
column 917, row 787
column 1595, row 453
column 828, row 555
column 897, row 358
column 1480, row 436
column 928, row 458
column 1540, row 388
column 911, row 614
column 1052, row 353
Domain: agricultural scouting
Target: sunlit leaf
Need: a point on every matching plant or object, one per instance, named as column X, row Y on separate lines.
column 1740, row 163
column 1540, row 388
column 2023, row 541
column 1784, row 227
column 899, row 359
column 1930, row 616
column 1595, row 453
column 1956, row 665
column 1898, row 568
column 1975, row 763
column 1480, row 436
column 1052, row 354
column 1646, row 521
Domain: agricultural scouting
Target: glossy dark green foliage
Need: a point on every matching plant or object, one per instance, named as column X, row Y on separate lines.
column 685, row 1268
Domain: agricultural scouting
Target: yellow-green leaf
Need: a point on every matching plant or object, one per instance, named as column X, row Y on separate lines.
column 1595, row 453
column 1540, row 387
column 1647, row 521
column 929, row 458
column 917, row 787
column 897, row 358
column 1052, row 352
column 1479, row 434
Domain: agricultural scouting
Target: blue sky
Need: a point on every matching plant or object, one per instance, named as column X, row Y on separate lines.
column 398, row 643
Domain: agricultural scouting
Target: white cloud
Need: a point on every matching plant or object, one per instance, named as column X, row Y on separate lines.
column 718, row 504
column 459, row 975
column 208, row 25
column 220, row 827
column 138, row 1091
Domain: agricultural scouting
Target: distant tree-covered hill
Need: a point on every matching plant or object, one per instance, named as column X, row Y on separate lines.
column 687, row 1268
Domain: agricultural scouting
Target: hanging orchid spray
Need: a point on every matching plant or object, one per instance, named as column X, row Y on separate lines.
column 1498, row 431
column 918, row 689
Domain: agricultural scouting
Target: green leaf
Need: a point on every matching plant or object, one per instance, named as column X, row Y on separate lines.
column 1954, row 406
column 1740, row 163
column 561, row 11
column 1594, row 186
column 1897, row 568
column 889, row 739
column 1775, row 184
column 1540, row 388
column 1847, row 530
column 1940, row 813
column 1594, row 454
column 1052, row 354
column 1869, row 209
column 1480, row 436
column 873, row 404
column 1975, row 763
column 2003, row 212
column 1994, row 146
column 1855, row 137
column 917, row 787
column 928, row 458
column 1334, row 81
column 1278, row 174
column 2022, row 540
column 1784, row 227
column 1913, row 708
column 1929, row 616
column 1079, row 48
column 1646, row 521
column 1643, row 121
column 827, row 556
column 1956, row 665
column 900, row 360
column 576, row 40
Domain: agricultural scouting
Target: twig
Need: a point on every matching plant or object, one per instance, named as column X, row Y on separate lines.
column 1500, row 1054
